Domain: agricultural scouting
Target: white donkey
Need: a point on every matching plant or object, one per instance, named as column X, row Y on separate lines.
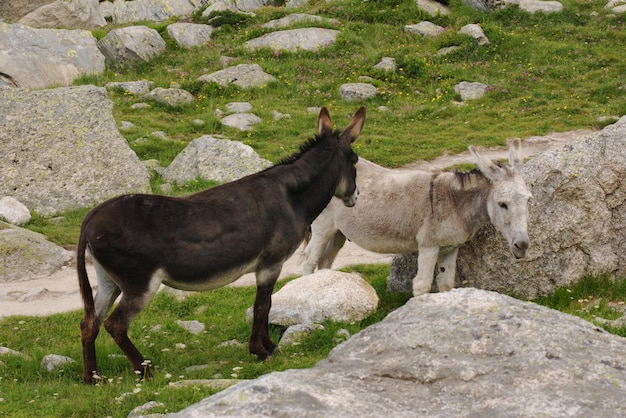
column 408, row 211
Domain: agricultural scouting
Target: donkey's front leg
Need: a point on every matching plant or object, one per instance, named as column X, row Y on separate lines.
column 260, row 342
column 447, row 270
column 426, row 261
column 322, row 234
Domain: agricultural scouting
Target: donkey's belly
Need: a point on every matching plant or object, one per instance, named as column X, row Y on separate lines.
column 197, row 284
column 384, row 244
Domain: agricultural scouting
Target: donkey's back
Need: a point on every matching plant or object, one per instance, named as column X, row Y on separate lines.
column 392, row 207
column 237, row 222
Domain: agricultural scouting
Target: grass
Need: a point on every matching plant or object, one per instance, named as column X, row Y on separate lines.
column 593, row 297
column 27, row 390
column 547, row 72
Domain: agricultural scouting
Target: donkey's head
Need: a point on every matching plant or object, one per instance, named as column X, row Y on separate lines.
column 346, row 190
column 507, row 203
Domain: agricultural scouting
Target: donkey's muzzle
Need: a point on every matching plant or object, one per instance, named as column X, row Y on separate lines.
column 519, row 248
column 351, row 201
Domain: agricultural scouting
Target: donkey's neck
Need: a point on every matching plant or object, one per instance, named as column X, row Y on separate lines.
column 465, row 194
column 311, row 182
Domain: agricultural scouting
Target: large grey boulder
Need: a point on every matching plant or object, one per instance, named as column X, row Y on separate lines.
column 538, row 6
column 297, row 18
column 292, row 40
column 242, row 75
column 188, row 35
column 357, row 91
column 35, row 58
column 153, row 10
column 326, row 295
column 25, row 255
column 425, row 28
column 236, row 6
column 171, row 96
column 577, row 221
column 61, row 149
column 241, row 121
column 13, row 211
column 463, row 353
column 616, row 6
column 138, row 88
column 471, row 90
column 216, row 159
column 131, row 46
column 13, row 10
column 474, row 31
column 433, row 8
column 74, row 14
column 487, row 5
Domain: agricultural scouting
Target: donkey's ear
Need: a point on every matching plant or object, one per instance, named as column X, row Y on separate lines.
column 324, row 124
column 353, row 130
column 486, row 166
column 515, row 154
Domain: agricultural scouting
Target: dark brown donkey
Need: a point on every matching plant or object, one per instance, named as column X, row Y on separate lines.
column 209, row 239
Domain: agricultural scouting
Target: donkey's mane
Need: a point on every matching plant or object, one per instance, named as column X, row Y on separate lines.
column 308, row 145
column 463, row 177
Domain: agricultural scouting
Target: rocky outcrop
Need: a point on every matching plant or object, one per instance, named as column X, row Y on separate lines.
column 463, row 353
column 61, row 149
column 577, row 222
column 35, row 58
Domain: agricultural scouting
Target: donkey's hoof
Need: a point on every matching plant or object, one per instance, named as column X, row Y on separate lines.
column 143, row 374
column 93, row 378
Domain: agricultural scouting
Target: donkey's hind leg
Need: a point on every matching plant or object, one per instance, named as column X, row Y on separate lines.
column 446, row 273
column 90, row 325
column 331, row 251
column 117, row 324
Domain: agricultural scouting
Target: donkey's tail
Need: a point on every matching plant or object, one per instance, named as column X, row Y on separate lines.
column 83, row 278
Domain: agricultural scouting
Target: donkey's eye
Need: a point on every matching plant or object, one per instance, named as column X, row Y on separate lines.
column 503, row 205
